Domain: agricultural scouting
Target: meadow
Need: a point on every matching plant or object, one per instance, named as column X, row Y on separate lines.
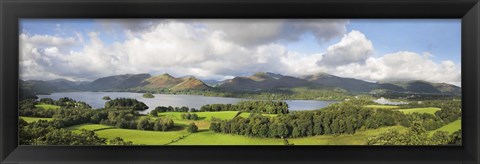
column 206, row 137
column 420, row 110
column 381, row 106
column 33, row 119
column 47, row 106
column 450, row 128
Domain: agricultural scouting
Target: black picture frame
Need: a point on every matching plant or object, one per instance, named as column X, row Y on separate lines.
column 12, row 10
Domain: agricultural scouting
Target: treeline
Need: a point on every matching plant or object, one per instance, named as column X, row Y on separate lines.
column 126, row 103
column 269, row 107
column 27, row 108
column 301, row 93
column 338, row 119
column 161, row 109
column 45, row 133
column 65, row 102
column 189, row 116
column 126, row 119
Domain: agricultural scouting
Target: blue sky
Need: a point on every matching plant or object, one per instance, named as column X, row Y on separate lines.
column 211, row 49
column 441, row 37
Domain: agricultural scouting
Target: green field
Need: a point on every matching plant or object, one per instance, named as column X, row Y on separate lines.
column 224, row 115
column 212, row 138
column 358, row 138
column 47, row 106
column 450, row 128
column 88, row 126
column 382, row 106
column 142, row 137
column 206, row 137
column 430, row 110
column 33, row 119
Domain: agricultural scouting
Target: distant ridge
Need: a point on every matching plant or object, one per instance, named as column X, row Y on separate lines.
column 260, row 81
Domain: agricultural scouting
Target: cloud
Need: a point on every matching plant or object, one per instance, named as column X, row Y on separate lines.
column 353, row 48
column 216, row 51
column 403, row 65
column 47, row 40
column 254, row 32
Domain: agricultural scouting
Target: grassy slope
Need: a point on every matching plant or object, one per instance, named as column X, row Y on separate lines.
column 224, row 115
column 33, row 119
column 47, row 106
column 89, row 126
column 382, row 106
column 207, row 116
column 142, row 137
column 345, row 139
column 420, row 110
column 450, row 128
column 212, row 138
column 206, row 137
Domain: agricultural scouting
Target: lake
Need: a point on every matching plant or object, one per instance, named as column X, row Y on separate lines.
column 95, row 100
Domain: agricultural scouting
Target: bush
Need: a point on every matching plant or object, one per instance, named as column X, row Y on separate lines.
column 148, row 95
column 192, row 128
column 106, row 98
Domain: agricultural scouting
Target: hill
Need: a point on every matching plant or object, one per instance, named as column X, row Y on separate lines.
column 263, row 81
column 117, row 82
column 166, row 81
column 258, row 82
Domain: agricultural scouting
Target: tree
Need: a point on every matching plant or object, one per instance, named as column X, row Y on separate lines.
column 143, row 124
column 192, row 128
column 66, row 137
column 119, row 141
column 47, row 101
column 456, row 138
column 154, row 113
column 148, row 95
column 194, row 116
column 106, row 98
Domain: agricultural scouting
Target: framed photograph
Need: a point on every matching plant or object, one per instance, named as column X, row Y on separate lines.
column 239, row 81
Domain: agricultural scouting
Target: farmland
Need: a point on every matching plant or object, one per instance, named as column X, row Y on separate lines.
column 420, row 110
column 47, row 106
column 382, row 106
column 450, row 128
column 33, row 119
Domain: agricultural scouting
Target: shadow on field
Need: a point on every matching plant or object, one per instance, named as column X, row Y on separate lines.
column 202, row 130
column 177, row 128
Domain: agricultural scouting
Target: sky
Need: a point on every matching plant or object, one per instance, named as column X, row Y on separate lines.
column 219, row 49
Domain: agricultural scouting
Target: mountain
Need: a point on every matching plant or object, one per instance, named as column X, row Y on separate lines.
column 263, row 81
column 161, row 81
column 355, row 85
column 30, row 88
column 166, row 81
column 419, row 86
column 117, row 82
column 349, row 84
column 46, row 87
